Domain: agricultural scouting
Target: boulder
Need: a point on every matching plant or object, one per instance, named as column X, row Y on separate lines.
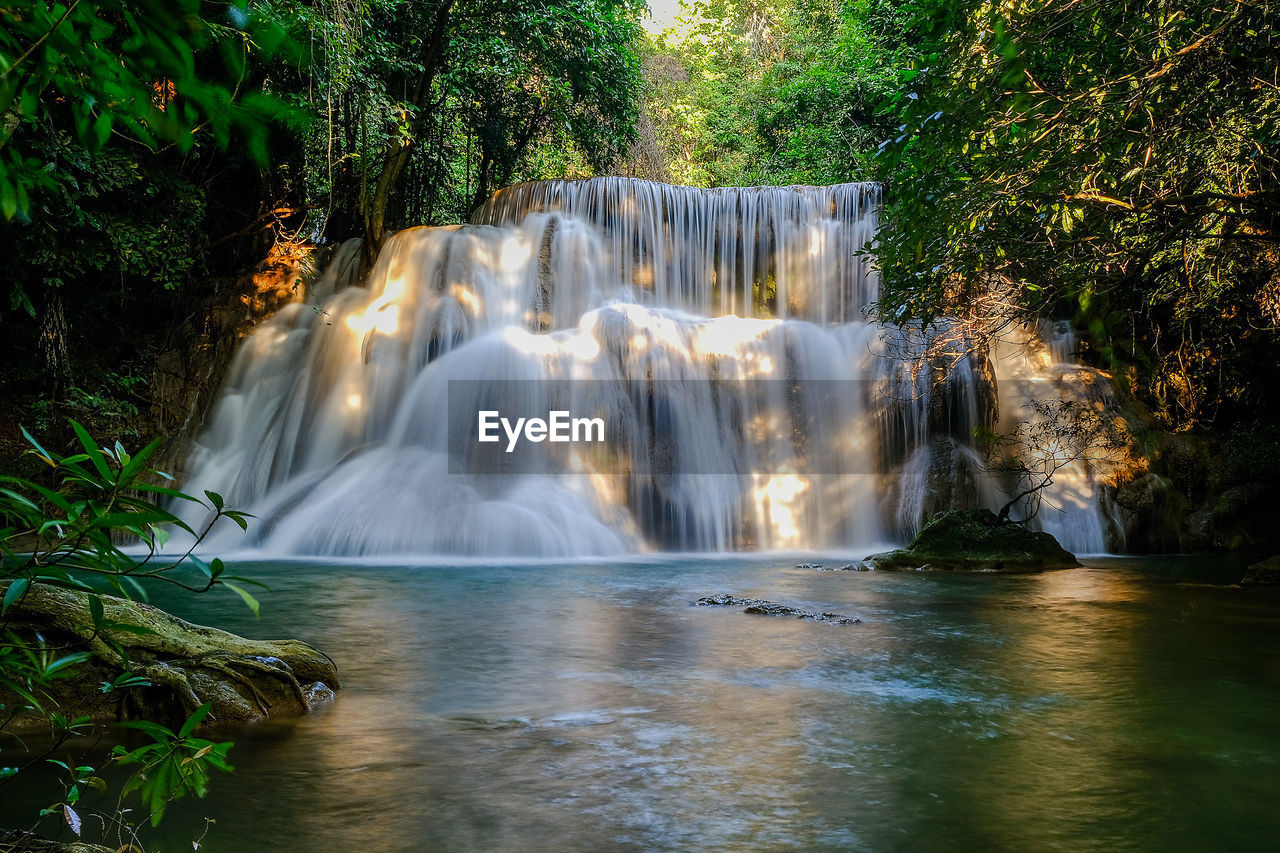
column 1267, row 571
column 1142, row 514
column 975, row 540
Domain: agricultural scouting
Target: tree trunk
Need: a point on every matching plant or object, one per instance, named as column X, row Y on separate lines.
column 398, row 152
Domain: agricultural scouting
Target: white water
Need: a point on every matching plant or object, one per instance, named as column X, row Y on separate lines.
column 1037, row 365
column 654, row 302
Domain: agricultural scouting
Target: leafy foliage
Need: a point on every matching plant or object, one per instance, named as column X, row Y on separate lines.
column 427, row 107
column 382, row 114
column 127, row 67
column 775, row 91
column 1117, row 161
column 173, row 764
column 68, row 534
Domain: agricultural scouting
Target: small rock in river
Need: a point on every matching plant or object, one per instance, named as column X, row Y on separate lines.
column 761, row 607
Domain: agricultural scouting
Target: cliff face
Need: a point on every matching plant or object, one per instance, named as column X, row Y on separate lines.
column 1205, row 493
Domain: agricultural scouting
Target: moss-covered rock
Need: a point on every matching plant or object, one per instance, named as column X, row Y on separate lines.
column 975, row 540
column 26, row 842
column 1267, row 571
column 187, row 665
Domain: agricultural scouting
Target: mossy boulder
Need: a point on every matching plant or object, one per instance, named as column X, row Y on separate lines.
column 975, row 540
column 25, row 842
column 1267, row 571
column 186, row 665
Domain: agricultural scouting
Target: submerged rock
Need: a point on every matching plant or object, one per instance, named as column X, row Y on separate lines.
column 975, row 540
column 186, row 665
column 761, row 607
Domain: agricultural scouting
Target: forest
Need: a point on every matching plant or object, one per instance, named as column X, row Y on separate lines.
column 1114, row 166
column 182, row 178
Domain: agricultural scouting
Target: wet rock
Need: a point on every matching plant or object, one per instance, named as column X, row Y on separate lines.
column 187, row 665
column 1142, row 514
column 761, row 607
column 26, row 842
column 1265, row 572
column 817, row 566
column 975, row 540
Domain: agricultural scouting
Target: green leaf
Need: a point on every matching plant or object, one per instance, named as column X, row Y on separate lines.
column 244, row 594
column 65, row 662
column 102, row 130
column 155, row 731
column 15, row 591
column 134, row 465
column 95, row 454
column 39, row 451
column 8, row 198
column 195, row 719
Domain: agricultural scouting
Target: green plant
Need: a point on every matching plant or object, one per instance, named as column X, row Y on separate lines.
column 173, row 764
column 68, row 533
column 125, row 68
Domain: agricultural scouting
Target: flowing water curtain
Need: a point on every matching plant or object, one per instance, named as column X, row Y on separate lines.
column 784, row 252
column 719, row 333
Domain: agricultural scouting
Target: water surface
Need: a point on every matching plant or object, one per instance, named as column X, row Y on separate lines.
column 591, row 707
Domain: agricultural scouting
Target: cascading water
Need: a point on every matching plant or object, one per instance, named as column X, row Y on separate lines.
column 720, row 333
column 1036, row 364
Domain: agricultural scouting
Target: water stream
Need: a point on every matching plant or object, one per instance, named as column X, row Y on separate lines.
column 588, row 706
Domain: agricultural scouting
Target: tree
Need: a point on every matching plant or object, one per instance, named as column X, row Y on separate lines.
column 1115, row 161
column 139, row 69
column 775, row 91
column 1054, row 435
column 427, row 107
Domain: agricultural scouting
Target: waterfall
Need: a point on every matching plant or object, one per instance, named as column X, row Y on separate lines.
column 1036, row 363
column 719, row 338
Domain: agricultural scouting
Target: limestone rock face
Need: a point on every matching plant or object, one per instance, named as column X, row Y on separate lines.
column 975, row 540
column 1143, row 514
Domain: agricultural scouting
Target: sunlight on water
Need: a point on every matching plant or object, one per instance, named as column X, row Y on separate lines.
column 592, row 707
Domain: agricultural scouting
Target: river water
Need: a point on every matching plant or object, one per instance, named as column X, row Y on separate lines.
column 592, row 707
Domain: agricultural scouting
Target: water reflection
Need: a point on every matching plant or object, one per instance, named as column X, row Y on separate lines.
column 592, row 708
